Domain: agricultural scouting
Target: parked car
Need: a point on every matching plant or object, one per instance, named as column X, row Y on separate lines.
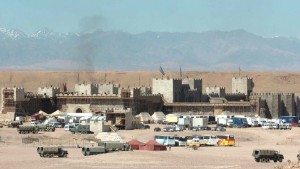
column 169, row 128
column 220, row 129
column 205, row 128
column 145, row 126
column 35, row 122
column 196, row 129
column 157, row 129
column 56, row 124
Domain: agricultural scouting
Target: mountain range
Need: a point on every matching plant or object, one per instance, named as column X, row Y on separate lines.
column 117, row 50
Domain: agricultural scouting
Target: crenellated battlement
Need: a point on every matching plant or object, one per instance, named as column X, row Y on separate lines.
column 151, row 95
column 78, row 94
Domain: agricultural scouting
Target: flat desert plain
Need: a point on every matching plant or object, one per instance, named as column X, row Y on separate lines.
column 15, row 154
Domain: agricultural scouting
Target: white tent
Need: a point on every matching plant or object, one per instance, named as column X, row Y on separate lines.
column 43, row 113
column 145, row 117
column 57, row 113
column 158, row 116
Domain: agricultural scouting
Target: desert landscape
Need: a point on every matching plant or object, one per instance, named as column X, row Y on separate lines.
column 15, row 154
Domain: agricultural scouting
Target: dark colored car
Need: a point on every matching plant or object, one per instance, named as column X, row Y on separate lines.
column 157, row 129
column 145, row 126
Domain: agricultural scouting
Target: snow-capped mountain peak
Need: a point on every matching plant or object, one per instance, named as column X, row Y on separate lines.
column 11, row 33
column 44, row 33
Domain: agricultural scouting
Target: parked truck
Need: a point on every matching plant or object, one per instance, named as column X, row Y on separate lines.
column 46, row 127
column 172, row 119
column 199, row 122
column 252, row 122
column 81, row 128
column 104, row 147
column 184, row 121
column 239, row 122
column 267, row 156
column 115, row 146
column 86, row 151
column 51, row 152
column 14, row 124
column 22, row 129
column 222, row 121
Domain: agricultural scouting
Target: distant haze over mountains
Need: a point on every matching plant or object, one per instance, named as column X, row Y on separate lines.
column 116, row 50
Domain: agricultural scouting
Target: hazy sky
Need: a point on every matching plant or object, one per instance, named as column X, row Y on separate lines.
column 262, row 17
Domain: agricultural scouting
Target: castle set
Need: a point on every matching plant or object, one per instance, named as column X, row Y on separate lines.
column 169, row 95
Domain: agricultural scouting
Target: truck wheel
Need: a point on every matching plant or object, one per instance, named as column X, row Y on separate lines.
column 275, row 161
column 262, row 160
column 267, row 160
column 280, row 160
column 256, row 159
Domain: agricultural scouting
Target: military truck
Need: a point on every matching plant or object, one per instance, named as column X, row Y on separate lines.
column 86, row 151
column 22, row 129
column 51, row 152
column 105, row 147
column 46, row 127
column 81, row 128
column 267, row 155
column 115, row 146
column 14, row 124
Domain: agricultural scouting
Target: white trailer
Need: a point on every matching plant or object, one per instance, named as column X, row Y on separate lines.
column 252, row 121
column 172, row 118
column 222, row 121
column 199, row 122
column 261, row 121
column 184, row 121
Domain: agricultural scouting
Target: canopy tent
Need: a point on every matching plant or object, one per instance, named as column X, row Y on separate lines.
column 135, row 144
column 152, row 145
column 57, row 113
column 42, row 113
column 145, row 117
column 158, row 116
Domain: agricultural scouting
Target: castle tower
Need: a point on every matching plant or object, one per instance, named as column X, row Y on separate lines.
column 86, row 89
column 170, row 88
column 192, row 90
column 48, row 91
column 242, row 85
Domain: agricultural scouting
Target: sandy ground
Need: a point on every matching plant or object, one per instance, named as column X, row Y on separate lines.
column 14, row 154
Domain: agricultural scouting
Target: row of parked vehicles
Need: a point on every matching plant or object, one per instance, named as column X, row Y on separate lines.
column 103, row 147
column 201, row 140
column 283, row 122
column 197, row 128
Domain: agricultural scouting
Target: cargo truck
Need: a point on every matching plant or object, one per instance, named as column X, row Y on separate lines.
column 81, row 128
column 51, row 152
column 172, row 119
column 22, row 129
column 239, row 122
column 267, row 156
